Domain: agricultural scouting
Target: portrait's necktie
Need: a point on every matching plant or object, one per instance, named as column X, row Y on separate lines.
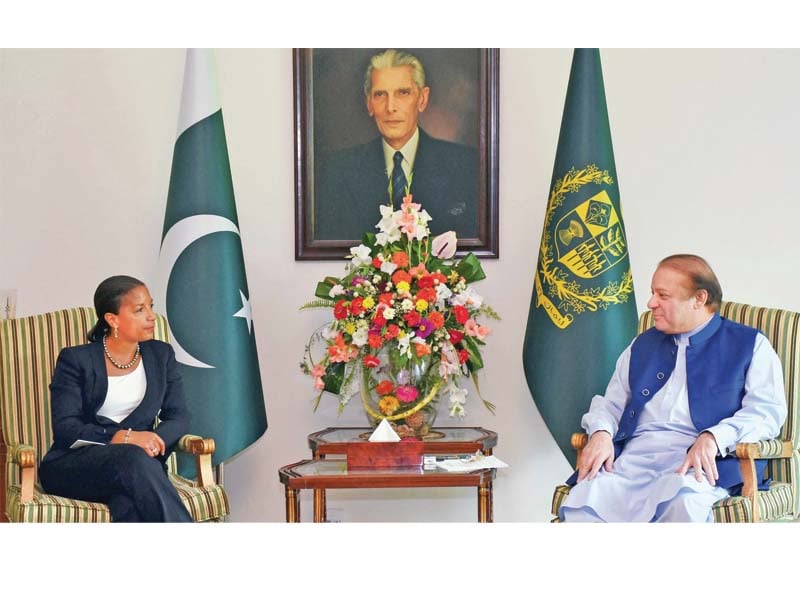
column 398, row 181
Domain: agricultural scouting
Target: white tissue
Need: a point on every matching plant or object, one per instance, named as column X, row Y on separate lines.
column 384, row 433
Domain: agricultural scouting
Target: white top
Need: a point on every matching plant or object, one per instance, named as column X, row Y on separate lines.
column 409, row 152
column 125, row 394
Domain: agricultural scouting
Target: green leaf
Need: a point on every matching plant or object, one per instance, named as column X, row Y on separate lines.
column 334, row 375
column 470, row 268
column 324, row 287
column 327, row 303
column 470, row 343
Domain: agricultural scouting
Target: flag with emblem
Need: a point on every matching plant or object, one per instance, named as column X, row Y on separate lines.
column 583, row 312
column 203, row 282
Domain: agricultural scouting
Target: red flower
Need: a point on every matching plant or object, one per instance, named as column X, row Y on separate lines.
column 439, row 278
column 427, row 294
column 461, row 314
column 426, row 281
column 463, row 356
column 392, row 331
column 437, row 319
column 340, row 310
column 379, row 320
column 400, row 259
column 376, row 262
column 455, row 336
column 371, row 361
column 412, row 318
column 385, row 387
column 375, row 340
column 400, row 275
column 357, row 307
column 385, row 299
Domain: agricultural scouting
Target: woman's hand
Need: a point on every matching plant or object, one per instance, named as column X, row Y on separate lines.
column 147, row 440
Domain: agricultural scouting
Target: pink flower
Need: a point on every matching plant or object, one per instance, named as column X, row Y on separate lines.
column 409, row 205
column 444, row 245
column 475, row 330
column 406, row 393
column 318, row 372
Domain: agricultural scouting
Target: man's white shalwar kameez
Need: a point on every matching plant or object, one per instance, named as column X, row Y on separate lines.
column 643, row 484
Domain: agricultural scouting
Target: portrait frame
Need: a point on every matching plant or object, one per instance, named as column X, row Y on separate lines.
column 321, row 75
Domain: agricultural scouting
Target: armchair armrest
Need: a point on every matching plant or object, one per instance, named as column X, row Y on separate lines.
column 202, row 449
column 747, row 454
column 24, row 456
column 579, row 441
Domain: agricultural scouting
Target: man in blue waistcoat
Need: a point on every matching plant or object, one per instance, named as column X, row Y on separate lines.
column 683, row 394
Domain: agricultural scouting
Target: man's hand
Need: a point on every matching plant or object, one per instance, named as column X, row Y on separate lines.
column 702, row 458
column 598, row 452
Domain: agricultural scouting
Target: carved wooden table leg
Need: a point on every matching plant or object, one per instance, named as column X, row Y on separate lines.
column 485, row 508
column 292, row 505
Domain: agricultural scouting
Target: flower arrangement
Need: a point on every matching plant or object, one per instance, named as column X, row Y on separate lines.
column 405, row 324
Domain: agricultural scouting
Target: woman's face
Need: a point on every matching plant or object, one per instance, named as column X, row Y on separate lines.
column 136, row 320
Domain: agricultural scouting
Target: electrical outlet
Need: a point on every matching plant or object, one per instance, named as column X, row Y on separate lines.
column 8, row 304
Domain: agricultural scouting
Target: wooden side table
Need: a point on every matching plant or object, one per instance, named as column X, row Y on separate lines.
column 318, row 474
column 453, row 440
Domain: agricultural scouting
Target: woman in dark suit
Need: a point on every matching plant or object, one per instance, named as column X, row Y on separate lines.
column 105, row 396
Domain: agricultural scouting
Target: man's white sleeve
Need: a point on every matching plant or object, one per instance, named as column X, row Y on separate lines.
column 606, row 410
column 763, row 405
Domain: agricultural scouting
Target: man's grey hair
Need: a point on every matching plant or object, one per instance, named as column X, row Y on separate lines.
column 394, row 58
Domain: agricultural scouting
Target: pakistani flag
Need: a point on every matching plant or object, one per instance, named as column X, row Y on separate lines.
column 583, row 313
column 203, row 278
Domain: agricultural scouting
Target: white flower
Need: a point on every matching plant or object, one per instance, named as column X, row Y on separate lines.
column 329, row 332
column 406, row 304
column 361, row 255
column 404, row 344
column 458, row 397
column 387, row 238
column 361, row 335
column 469, row 298
column 376, row 279
column 443, row 292
column 388, row 267
column 449, row 364
column 336, row 290
column 388, row 314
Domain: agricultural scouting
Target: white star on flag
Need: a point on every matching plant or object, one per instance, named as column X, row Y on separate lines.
column 246, row 312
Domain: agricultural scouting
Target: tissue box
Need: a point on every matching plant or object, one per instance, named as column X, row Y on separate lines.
column 383, row 455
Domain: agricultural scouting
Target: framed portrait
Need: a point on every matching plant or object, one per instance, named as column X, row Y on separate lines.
column 435, row 115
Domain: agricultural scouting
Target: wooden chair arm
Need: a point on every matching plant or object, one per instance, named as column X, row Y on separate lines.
column 202, row 449
column 579, row 441
column 24, row 456
column 747, row 454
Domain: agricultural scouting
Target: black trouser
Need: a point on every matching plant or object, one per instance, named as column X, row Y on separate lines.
column 133, row 484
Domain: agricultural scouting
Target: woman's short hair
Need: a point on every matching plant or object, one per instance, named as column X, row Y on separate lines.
column 701, row 275
column 107, row 299
column 394, row 58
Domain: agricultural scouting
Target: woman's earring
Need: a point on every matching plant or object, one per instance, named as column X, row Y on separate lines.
column 116, row 332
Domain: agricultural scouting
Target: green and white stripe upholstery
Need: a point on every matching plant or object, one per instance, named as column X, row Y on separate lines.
column 782, row 500
column 29, row 347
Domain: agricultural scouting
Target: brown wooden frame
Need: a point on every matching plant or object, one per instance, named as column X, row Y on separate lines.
column 485, row 245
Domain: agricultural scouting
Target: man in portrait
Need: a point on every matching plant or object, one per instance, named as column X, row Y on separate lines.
column 352, row 183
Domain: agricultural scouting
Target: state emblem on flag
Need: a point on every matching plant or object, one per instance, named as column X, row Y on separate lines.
column 586, row 242
column 589, row 238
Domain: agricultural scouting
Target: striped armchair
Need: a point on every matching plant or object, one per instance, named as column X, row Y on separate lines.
column 782, row 500
column 29, row 348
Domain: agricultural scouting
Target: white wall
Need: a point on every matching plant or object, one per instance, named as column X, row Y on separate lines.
column 705, row 145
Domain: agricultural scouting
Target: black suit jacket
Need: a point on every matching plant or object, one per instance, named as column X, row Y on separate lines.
column 352, row 184
column 79, row 387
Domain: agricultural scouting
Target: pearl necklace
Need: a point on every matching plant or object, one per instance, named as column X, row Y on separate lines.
column 115, row 363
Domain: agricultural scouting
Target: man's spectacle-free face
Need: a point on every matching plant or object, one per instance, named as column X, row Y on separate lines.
column 395, row 102
column 676, row 306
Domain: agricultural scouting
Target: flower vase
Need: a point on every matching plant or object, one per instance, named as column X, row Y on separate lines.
column 403, row 395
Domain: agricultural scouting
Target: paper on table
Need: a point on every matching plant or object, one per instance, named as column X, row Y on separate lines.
column 384, row 433
column 473, row 463
column 82, row 443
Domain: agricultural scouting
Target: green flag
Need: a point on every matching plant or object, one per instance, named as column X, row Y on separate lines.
column 583, row 313
column 202, row 275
